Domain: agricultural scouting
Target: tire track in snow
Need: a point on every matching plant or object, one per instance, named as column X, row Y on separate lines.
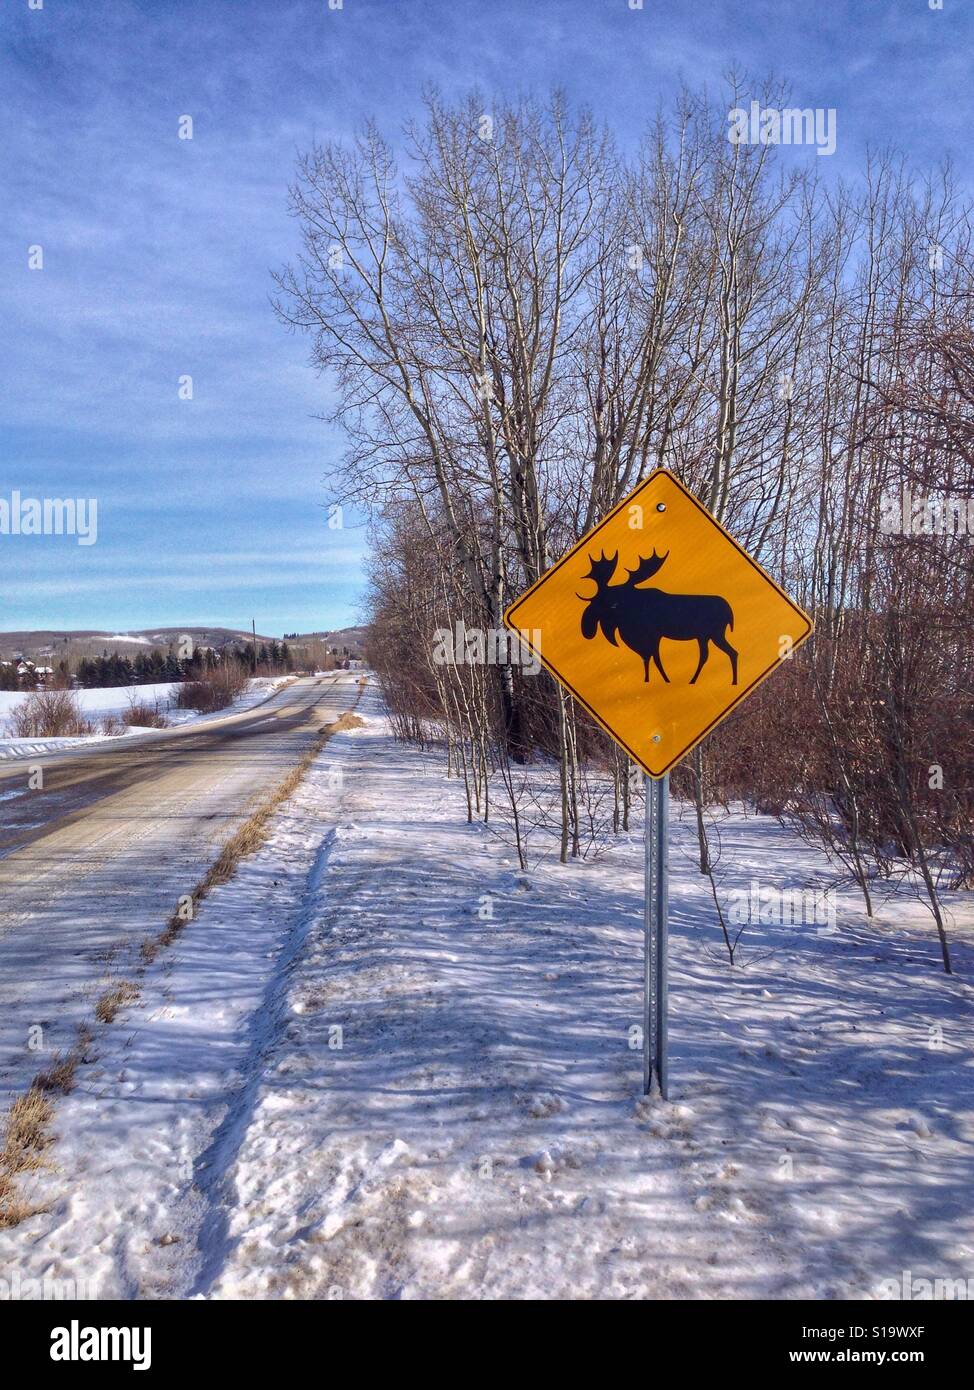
column 213, row 1170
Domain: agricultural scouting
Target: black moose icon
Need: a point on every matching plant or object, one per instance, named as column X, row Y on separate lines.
column 643, row 617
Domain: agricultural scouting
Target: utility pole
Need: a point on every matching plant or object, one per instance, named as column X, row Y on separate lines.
column 253, row 628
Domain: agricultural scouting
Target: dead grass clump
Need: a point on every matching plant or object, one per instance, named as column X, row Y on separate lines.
column 347, row 721
column 113, row 1000
column 25, row 1139
column 28, row 1124
column 12, row 1209
column 26, row 1135
column 59, row 1076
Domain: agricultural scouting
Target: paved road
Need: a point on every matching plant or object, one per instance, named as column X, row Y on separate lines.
column 93, row 863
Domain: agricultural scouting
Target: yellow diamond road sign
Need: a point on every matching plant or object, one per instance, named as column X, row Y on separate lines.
column 658, row 622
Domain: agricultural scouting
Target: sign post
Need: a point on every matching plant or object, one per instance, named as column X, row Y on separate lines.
column 658, row 664
column 655, row 929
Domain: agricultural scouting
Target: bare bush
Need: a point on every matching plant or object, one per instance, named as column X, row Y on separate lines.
column 215, row 690
column 50, row 714
column 142, row 715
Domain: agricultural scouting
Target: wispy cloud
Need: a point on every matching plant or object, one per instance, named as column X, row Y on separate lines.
column 157, row 250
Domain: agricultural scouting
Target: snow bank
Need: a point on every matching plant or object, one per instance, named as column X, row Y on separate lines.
column 114, row 700
column 97, row 703
column 385, row 1063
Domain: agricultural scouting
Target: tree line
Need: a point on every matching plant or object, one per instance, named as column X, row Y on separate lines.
column 156, row 667
column 522, row 319
column 148, row 668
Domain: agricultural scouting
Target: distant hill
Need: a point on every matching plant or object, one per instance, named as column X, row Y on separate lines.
column 94, row 641
column 350, row 637
column 41, row 646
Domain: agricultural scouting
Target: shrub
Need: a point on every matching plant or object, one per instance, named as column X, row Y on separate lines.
column 215, row 690
column 143, row 715
column 50, row 714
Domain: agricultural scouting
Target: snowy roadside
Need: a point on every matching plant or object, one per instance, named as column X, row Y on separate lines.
column 114, row 700
column 384, row 1062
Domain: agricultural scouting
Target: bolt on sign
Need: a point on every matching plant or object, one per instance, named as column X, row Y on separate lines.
column 658, row 622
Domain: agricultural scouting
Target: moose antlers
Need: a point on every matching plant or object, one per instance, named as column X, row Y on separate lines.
column 645, row 569
column 602, row 570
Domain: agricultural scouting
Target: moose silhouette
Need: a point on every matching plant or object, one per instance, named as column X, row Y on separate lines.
column 643, row 617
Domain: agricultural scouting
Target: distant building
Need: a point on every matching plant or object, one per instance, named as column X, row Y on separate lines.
column 27, row 670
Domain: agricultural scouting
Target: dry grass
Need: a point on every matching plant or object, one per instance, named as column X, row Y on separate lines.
column 24, row 1141
column 29, row 1118
column 26, row 1134
column 28, row 1123
column 59, row 1076
column 12, row 1209
column 113, row 1000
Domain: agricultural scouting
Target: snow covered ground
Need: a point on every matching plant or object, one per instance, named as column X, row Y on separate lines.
column 115, row 700
column 384, row 1062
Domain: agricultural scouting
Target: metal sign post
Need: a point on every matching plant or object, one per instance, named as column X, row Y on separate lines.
column 658, row 664
column 657, row 895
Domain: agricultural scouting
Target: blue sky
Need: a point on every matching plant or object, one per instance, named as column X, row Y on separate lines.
column 157, row 250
